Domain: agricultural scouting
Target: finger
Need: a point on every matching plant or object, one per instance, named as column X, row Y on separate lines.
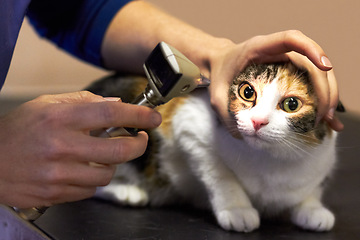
column 218, row 102
column 335, row 124
column 48, row 195
column 79, row 173
column 74, row 193
column 110, row 151
column 74, row 97
column 87, row 116
column 66, row 193
column 334, row 93
column 330, row 117
column 320, row 83
column 65, row 182
column 218, row 90
column 293, row 40
column 319, row 79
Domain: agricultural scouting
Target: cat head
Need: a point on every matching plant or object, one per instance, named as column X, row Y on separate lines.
column 275, row 105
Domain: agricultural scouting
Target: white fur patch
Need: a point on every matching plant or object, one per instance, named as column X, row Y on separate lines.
column 316, row 218
column 239, row 219
column 124, row 194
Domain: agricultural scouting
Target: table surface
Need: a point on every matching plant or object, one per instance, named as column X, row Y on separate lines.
column 95, row 219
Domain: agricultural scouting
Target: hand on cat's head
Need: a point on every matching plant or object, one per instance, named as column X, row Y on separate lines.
column 282, row 46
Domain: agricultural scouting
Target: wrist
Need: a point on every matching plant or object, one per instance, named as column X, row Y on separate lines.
column 213, row 52
column 206, row 51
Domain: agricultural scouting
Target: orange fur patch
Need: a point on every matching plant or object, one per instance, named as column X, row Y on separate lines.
column 167, row 112
column 291, row 83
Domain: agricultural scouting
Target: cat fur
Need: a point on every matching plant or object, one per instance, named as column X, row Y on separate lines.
column 238, row 173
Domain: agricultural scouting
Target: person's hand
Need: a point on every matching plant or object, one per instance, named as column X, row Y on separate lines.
column 48, row 156
column 230, row 59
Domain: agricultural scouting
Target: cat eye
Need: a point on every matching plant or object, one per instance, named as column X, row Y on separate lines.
column 291, row 104
column 247, row 92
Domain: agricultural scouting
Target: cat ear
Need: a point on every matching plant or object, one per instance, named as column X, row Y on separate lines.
column 340, row 107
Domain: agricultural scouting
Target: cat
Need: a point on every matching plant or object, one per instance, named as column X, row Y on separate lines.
column 270, row 158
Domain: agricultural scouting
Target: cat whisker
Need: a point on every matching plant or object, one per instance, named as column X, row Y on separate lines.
column 302, row 139
column 297, row 148
column 303, row 142
column 311, row 140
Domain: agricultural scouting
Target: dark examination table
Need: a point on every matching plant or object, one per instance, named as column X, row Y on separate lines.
column 93, row 219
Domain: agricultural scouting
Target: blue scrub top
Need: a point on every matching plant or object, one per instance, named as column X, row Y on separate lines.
column 77, row 26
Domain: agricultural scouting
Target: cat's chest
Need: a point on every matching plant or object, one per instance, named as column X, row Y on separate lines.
column 262, row 175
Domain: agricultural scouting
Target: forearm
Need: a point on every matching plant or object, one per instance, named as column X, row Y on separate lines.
column 139, row 26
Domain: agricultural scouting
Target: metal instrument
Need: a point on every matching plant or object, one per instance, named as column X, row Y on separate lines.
column 170, row 75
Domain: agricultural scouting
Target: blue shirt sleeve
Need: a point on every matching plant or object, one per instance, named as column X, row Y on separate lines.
column 12, row 14
column 77, row 26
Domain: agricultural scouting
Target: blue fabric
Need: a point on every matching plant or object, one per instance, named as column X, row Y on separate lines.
column 11, row 17
column 77, row 26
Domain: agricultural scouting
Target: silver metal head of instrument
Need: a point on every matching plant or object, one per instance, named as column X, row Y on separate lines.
column 170, row 74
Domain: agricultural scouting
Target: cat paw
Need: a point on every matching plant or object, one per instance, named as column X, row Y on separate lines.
column 239, row 219
column 124, row 194
column 318, row 219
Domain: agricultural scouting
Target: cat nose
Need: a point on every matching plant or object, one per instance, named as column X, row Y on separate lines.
column 259, row 123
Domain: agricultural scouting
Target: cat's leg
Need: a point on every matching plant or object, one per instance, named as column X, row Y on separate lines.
column 125, row 187
column 196, row 143
column 232, row 207
column 229, row 202
column 310, row 214
column 124, row 194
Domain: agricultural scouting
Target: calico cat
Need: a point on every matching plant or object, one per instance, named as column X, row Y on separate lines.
column 270, row 158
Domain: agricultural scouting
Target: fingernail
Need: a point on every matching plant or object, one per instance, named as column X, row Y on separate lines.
column 326, row 62
column 330, row 114
column 340, row 126
column 156, row 118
